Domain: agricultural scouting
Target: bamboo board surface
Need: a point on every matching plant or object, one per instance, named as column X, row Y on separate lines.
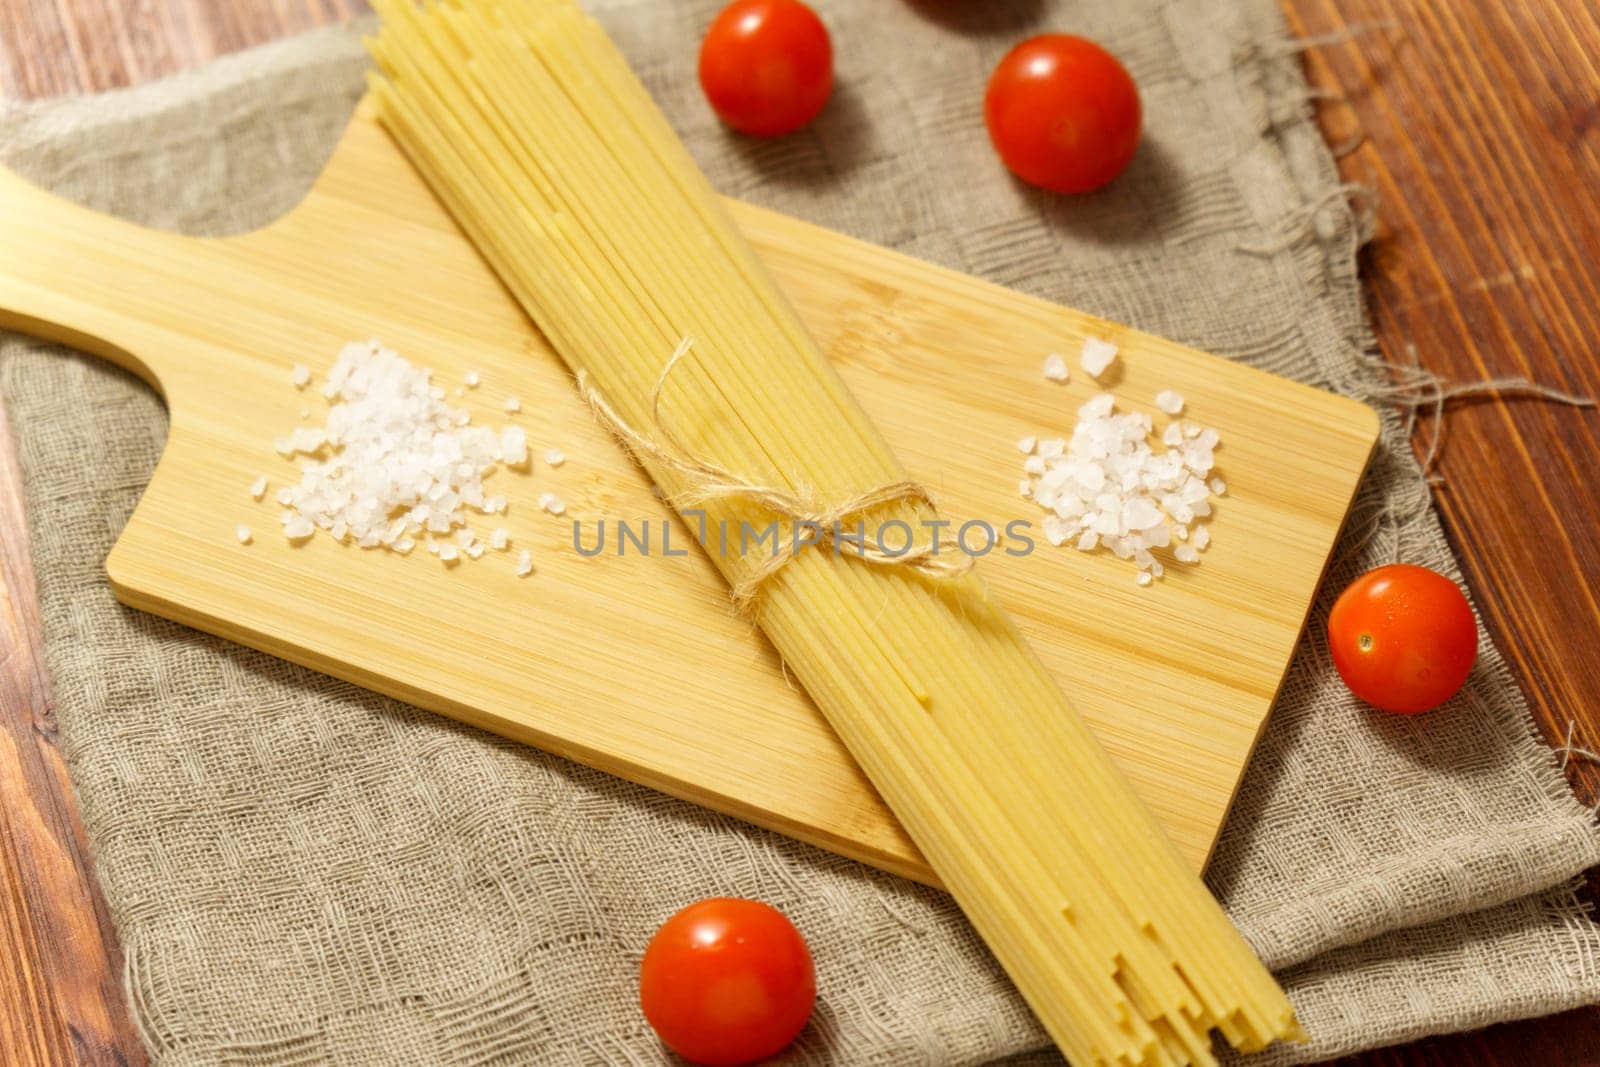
column 635, row 665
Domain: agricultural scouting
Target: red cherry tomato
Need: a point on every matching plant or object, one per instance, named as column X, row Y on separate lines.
column 1403, row 638
column 1063, row 113
column 727, row 981
column 767, row 66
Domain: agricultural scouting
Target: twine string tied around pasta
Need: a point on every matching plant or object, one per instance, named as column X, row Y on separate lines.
column 707, row 481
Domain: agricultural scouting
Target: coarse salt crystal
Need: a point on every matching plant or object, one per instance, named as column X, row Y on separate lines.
column 524, row 564
column 552, row 503
column 242, row 532
column 514, row 446
column 1144, row 578
column 554, row 457
column 449, row 554
column 471, row 378
column 1219, row 487
column 1171, row 402
column 300, row 376
column 1098, row 354
column 513, row 405
column 1055, row 368
column 394, row 462
column 1202, row 537
column 1111, row 487
column 258, row 488
column 1098, row 407
column 1026, row 444
column 499, row 539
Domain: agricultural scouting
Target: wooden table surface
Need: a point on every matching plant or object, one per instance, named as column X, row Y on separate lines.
column 1480, row 128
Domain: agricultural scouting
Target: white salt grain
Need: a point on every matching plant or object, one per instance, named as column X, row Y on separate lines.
column 1219, row 487
column 258, row 488
column 514, row 446
column 513, row 405
column 524, row 564
column 1202, row 537
column 1171, row 402
column 554, row 457
column 300, row 376
column 1110, row 487
column 242, row 532
column 499, row 539
column 1097, row 355
column 1025, row 444
column 471, row 379
column 393, row 463
column 1055, row 368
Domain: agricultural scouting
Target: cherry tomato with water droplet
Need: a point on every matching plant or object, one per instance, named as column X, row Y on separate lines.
column 1403, row 638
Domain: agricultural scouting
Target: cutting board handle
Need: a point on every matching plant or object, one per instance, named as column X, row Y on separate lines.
column 79, row 277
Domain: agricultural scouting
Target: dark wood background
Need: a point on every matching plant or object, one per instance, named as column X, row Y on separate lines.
column 1480, row 128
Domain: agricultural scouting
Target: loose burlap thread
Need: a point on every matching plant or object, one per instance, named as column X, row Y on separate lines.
column 303, row 872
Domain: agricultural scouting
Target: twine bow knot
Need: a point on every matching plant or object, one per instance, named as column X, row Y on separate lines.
column 707, row 481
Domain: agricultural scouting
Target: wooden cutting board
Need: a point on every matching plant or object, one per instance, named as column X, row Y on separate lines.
column 636, row 665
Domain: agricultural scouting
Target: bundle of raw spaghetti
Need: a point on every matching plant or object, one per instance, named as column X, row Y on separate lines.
column 529, row 125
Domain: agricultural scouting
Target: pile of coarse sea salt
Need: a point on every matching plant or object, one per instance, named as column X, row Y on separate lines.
column 1109, row 487
column 395, row 466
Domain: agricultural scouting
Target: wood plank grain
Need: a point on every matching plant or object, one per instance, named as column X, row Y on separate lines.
column 61, row 997
column 61, row 992
column 55, row 47
column 1482, row 137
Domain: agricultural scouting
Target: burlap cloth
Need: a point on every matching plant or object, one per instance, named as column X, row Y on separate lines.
column 304, row 872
